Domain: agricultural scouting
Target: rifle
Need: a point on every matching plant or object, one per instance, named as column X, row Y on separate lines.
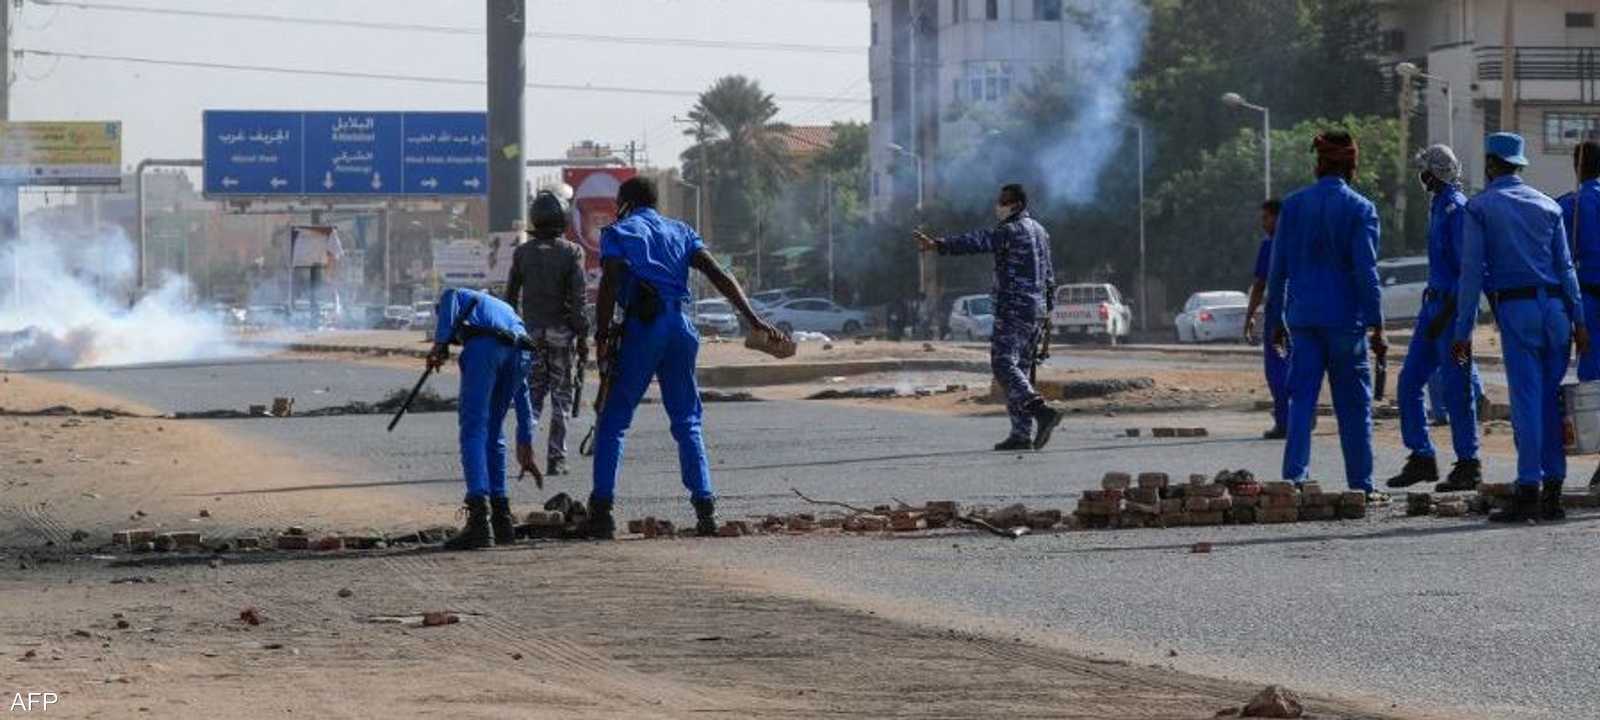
column 606, row 369
column 455, row 329
column 1041, row 352
column 1380, row 372
column 577, row 383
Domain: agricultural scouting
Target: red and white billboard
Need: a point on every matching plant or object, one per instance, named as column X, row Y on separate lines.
column 594, row 206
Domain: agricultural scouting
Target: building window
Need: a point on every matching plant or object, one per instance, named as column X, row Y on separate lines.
column 988, row 82
column 1047, row 10
column 958, row 11
column 991, row 9
column 874, row 33
column 1580, row 20
column 1564, row 130
column 1394, row 41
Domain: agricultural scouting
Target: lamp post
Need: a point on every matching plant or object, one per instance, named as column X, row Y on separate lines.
column 1235, row 100
column 922, row 263
column 1410, row 71
column 1144, row 295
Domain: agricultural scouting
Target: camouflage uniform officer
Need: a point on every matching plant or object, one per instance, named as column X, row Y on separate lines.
column 1024, row 293
column 548, row 284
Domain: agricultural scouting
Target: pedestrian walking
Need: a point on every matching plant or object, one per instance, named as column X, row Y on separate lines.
column 1515, row 249
column 645, row 260
column 1024, row 294
column 1580, row 210
column 547, row 283
column 494, row 379
column 1274, row 364
column 1323, row 282
column 1429, row 351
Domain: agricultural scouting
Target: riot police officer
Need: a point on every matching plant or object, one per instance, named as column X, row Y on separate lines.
column 548, row 284
column 1580, row 211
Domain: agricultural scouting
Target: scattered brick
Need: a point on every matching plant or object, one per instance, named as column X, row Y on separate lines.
column 866, row 523
column 1275, row 701
column 329, row 543
column 1247, row 489
column 250, row 616
column 1318, row 512
column 1208, row 491
column 905, row 521
column 635, row 526
column 1311, row 488
column 1277, row 487
column 293, row 542
column 1207, row 517
column 1197, row 479
column 1496, row 489
column 1243, row 514
column 1116, row 481
column 1044, row 519
column 360, row 542
column 1246, row 501
column 1143, row 495
column 436, row 618
column 1164, row 432
column 1418, row 504
column 800, row 523
column 179, row 540
column 1132, row 432
column 247, row 543
column 1278, row 514
column 553, row 518
column 1200, row 548
column 1153, row 480
column 1450, row 508
column 133, row 537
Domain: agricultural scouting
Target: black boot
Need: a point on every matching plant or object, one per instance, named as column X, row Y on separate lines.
column 600, row 525
column 1013, row 443
column 1276, row 433
column 705, row 517
column 1418, row 469
column 556, row 466
column 1524, row 506
column 500, row 521
column 1464, row 477
column 1550, row 502
column 1046, row 418
column 475, row 535
column 1594, row 480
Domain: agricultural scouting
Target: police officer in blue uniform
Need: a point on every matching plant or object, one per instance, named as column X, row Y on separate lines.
column 1024, row 294
column 1515, row 249
column 494, row 378
column 1429, row 352
column 1581, row 211
column 1275, row 365
column 645, row 259
column 1323, row 282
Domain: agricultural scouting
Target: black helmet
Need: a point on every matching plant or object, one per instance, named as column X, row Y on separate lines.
column 547, row 212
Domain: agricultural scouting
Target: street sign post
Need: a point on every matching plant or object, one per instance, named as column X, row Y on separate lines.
column 345, row 154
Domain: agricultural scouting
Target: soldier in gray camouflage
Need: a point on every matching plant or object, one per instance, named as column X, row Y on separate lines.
column 1024, row 293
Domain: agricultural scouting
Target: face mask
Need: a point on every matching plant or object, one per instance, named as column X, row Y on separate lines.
column 1002, row 212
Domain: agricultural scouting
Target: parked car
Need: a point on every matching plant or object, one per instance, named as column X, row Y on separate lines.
column 267, row 315
column 1402, row 281
column 972, row 317
column 816, row 315
column 770, row 298
column 1212, row 315
column 1086, row 309
column 397, row 317
column 716, row 316
column 422, row 314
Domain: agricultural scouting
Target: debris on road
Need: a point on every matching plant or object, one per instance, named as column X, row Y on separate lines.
column 250, row 616
column 1275, row 701
column 436, row 618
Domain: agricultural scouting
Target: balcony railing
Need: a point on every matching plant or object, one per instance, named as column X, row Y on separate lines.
column 1581, row 63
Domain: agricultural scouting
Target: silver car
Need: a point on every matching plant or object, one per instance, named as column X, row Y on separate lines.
column 1211, row 316
column 972, row 317
column 815, row 315
column 716, row 316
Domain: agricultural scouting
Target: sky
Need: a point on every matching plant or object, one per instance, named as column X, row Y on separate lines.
column 160, row 106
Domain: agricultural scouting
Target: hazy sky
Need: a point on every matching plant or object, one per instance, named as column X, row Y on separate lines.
column 160, row 106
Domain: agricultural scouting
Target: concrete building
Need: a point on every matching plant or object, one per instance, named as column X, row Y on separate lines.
column 932, row 59
column 1554, row 89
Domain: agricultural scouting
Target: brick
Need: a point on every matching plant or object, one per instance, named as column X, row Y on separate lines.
column 1353, row 497
column 360, row 542
column 1496, row 489
column 1418, row 504
column 905, row 521
column 553, row 518
column 293, row 542
column 1197, row 479
column 866, row 523
column 1116, row 481
column 1164, row 432
column 832, row 523
column 937, row 520
column 1352, row 512
column 1278, row 515
column 799, row 523
column 1219, row 503
column 1153, row 480
column 1193, row 504
column 1245, row 489
column 649, row 528
column 1450, row 508
column 133, row 537
column 1172, row 506
column 1044, row 519
column 1318, row 512
column 1277, row 487
column 1143, row 495
column 1278, row 502
column 635, row 526
column 1318, row 500
column 1574, row 501
column 247, row 543
column 1311, row 488
column 1241, row 515
column 1132, row 432
column 327, row 544
column 1094, row 495
column 1476, row 504
column 1246, row 501
column 1134, row 507
column 944, row 507
column 1208, row 490
column 1094, row 507
column 730, row 529
column 1207, row 517
column 181, row 539
column 1191, row 432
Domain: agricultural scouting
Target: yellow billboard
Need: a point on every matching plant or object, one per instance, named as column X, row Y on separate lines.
column 61, row 153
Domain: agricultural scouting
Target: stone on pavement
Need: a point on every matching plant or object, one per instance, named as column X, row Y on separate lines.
column 1275, row 701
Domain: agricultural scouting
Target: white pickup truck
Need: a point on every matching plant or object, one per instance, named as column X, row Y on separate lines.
column 1086, row 309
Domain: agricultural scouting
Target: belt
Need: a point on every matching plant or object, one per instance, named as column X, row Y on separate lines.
column 1525, row 293
column 505, row 337
column 1432, row 294
column 1591, row 289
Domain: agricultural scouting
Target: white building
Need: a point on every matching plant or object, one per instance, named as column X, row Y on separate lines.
column 965, row 53
column 1555, row 87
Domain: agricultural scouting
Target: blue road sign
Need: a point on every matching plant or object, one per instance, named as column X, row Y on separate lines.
column 353, row 153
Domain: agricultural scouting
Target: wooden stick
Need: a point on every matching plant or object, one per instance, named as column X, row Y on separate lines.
column 851, row 508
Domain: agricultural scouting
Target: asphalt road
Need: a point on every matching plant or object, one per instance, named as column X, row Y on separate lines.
column 1423, row 613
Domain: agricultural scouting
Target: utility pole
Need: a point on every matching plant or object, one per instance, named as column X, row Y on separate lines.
column 1508, row 70
column 507, row 73
column 10, row 217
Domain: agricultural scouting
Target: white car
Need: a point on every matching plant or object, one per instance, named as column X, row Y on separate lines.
column 1402, row 282
column 716, row 316
column 771, row 298
column 815, row 315
column 1211, row 316
column 422, row 314
column 1091, row 309
column 972, row 317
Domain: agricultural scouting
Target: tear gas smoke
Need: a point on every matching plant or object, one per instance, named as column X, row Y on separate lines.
column 1104, row 64
column 64, row 308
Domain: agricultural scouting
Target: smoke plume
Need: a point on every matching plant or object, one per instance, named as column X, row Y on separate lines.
column 1103, row 67
column 64, row 307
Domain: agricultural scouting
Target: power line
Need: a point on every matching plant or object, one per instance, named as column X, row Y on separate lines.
column 449, row 30
column 434, row 80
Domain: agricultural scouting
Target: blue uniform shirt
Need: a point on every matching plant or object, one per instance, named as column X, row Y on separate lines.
column 1324, row 270
column 491, row 314
column 1514, row 238
column 657, row 250
column 1446, row 219
column 1264, row 258
column 1023, row 271
column 1583, row 229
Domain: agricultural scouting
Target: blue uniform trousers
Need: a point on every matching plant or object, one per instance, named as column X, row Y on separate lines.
column 1276, row 368
column 663, row 349
column 1535, row 341
column 1011, row 358
column 1589, row 363
column 1424, row 357
column 1341, row 355
column 490, row 372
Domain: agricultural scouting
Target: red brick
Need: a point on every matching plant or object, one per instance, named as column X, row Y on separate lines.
column 133, row 537
column 1246, row 489
column 1317, row 512
column 1277, row 487
column 905, row 521
column 866, row 523
column 293, row 542
column 1116, row 481
column 1206, row 517
column 1278, row 515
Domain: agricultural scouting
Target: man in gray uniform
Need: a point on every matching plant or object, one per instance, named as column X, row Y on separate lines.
column 548, row 285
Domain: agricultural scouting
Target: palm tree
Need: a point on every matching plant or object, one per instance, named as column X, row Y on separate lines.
column 738, row 149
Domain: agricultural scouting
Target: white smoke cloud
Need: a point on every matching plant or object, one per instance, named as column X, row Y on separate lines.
column 63, row 305
column 1105, row 66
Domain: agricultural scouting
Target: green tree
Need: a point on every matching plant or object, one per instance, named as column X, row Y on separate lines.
column 744, row 159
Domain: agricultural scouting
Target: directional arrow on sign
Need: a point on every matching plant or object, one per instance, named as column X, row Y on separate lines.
column 327, row 180
column 472, row 183
column 278, row 182
column 430, row 182
column 377, row 181
column 229, row 182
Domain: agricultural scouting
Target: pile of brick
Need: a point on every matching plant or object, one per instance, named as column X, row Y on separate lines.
column 1228, row 498
column 1490, row 497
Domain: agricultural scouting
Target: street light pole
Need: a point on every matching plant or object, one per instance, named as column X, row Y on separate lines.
column 1410, row 71
column 1235, row 100
column 922, row 263
column 1144, row 293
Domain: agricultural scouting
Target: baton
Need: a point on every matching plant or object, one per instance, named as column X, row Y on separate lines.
column 455, row 329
